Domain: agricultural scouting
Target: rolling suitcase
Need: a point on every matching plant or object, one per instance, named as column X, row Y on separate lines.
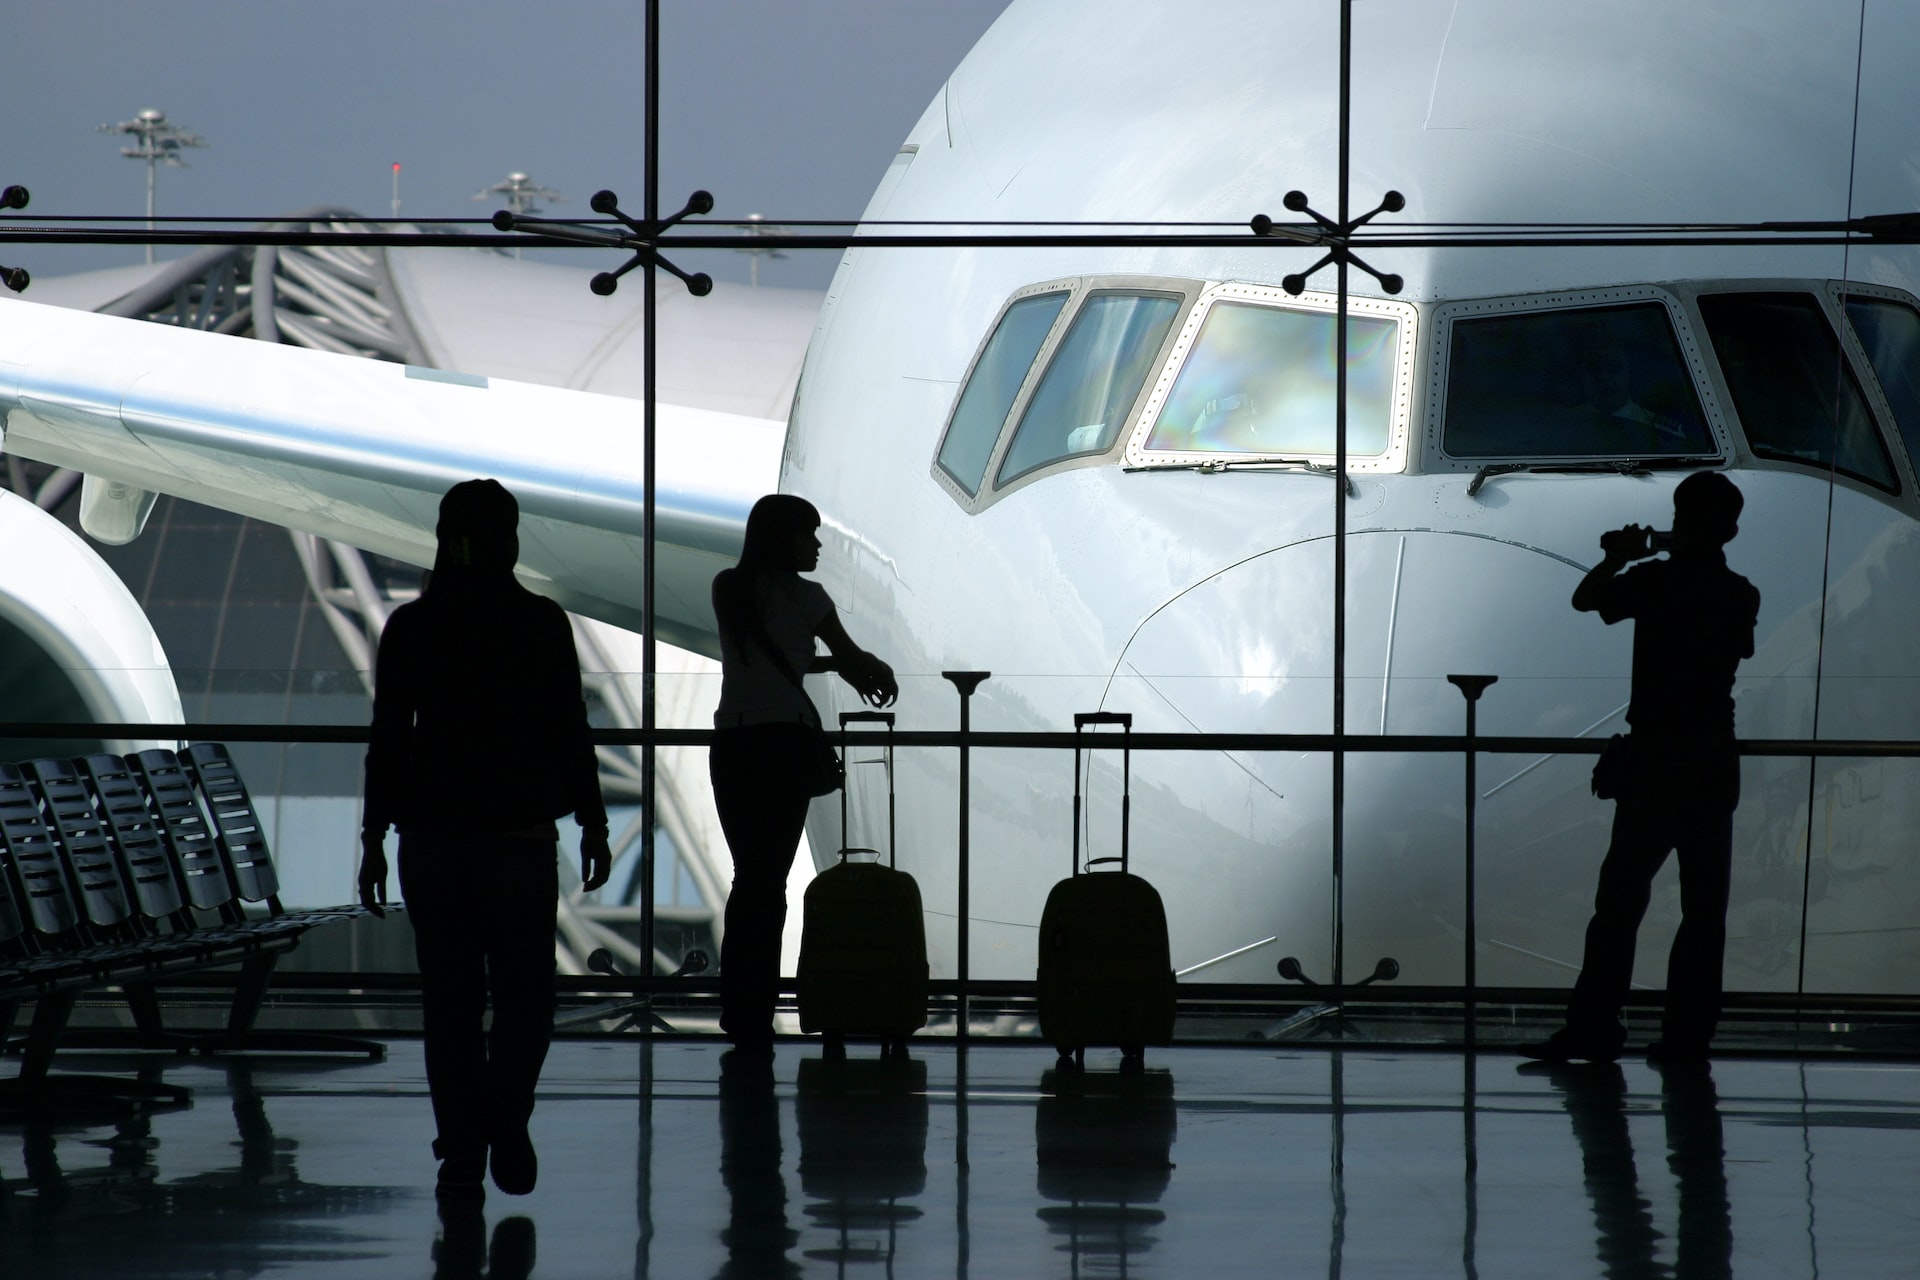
column 1105, row 975
column 863, row 942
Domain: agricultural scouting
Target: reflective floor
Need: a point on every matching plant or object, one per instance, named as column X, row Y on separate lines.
column 664, row 1160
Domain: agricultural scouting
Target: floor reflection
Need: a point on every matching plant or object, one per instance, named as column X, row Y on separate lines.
column 462, row 1252
column 757, row 1236
column 1627, row 1244
column 251, row 1217
column 863, row 1150
column 1697, row 1158
column 1297, row 1161
column 1103, row 1142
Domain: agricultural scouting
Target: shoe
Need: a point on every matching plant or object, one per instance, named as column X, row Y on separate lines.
column 1670, row 1052
column 461, row 1179
column 515, row 1164
column 1568, row 1045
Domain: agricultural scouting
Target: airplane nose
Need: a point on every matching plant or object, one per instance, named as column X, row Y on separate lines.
column 1250, row 650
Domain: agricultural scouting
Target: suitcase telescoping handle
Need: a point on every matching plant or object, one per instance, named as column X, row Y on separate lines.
column 1080, row 722
column 867, row 717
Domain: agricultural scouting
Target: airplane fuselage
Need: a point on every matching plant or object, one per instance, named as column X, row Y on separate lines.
column 1172, row 553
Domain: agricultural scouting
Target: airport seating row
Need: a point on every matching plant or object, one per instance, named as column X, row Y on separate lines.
column 118, row 871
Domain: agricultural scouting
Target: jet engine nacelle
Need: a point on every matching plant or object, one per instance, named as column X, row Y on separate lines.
column 74, row 643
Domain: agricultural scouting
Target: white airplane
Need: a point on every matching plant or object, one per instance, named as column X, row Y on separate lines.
column 1102, row 473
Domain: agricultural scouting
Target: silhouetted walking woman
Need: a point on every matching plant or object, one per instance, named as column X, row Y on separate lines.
column 768, row 749
column 479, row 744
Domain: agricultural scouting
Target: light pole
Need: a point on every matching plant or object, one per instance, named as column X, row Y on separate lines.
column 755, row 225
column 158, row 142
column 521, row 194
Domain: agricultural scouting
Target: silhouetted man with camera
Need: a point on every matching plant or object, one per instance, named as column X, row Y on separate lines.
column 1675, row 779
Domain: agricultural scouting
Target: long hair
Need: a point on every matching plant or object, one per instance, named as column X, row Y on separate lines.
column 479, row 536
column 771, row 526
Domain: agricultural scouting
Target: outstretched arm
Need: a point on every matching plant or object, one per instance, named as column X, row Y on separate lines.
column 871, row 678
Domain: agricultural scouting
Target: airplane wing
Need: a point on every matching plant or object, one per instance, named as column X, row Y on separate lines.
column 361, row 450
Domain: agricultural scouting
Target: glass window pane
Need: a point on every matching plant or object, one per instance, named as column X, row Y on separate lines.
column 1890, row 333
column 996, row 380
column 1260, row 380
column 1796, row 397
column 1580, row 383
column 1088, row 390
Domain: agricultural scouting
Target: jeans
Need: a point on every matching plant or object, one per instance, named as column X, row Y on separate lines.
column 763, row 810
column 483, row 911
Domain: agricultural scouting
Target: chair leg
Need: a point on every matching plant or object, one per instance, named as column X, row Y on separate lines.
column 144, row 1004
column 241, row 1036
column 50, row 1014
column 148, row 1030
column 34, row 1090
column 250, row 992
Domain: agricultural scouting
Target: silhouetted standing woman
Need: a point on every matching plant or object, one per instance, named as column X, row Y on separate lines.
column 768, row 750
column 479, row 744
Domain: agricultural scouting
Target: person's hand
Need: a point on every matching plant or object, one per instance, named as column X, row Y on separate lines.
column 1633, row 542
column 373, row 872
column 596, row 860
column 872, row 679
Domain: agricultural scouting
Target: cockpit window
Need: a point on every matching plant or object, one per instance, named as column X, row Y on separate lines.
column 1794, row 392
column 995, row 382
column 1089, row 389
column 1589, row 382
column 1260, row 380
column 1890, row 333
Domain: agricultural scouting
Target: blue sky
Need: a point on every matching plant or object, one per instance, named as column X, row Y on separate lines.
column 781, row 107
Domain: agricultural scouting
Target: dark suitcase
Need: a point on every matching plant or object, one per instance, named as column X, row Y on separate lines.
column 1105, row 975
column 863, row 942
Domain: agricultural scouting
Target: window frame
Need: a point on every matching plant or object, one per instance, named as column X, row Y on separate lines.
column 1878, row 412
column 1892, row 437
column 956, row 490
column 1078, row 289
column 1706, row 389
column 1393, row 459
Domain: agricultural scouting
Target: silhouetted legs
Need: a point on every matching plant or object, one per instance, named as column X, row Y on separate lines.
column 483, row 918
column 1664, row 814
column 762, row 811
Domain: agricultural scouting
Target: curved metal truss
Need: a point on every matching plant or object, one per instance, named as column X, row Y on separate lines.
column 342, row 299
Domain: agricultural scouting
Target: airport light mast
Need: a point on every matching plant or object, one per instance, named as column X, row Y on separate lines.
column 755, row 225
column 159, row 142
column 522, row 195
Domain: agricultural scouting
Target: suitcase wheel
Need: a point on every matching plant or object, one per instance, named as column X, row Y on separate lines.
column 1133, row 1057
column 836, row 1046
column 1072, row 1059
